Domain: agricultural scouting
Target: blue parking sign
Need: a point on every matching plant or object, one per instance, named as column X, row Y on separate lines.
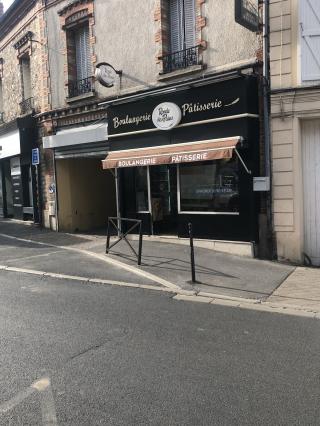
column 35, row 157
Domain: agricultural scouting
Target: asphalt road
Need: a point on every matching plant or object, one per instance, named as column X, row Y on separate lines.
column 82, row 354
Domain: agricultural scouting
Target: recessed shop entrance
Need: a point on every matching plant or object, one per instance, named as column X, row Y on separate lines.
column 86, row 194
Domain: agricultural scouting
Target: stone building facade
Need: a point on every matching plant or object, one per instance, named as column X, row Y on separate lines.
column 295, row 108
column 24, row 92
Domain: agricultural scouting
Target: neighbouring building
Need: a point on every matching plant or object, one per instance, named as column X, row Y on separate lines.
column 295, row 107
column 23, row 92
column 179, row 129
column 78, row 195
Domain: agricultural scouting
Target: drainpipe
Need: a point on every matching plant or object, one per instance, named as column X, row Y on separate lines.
column 266, row 108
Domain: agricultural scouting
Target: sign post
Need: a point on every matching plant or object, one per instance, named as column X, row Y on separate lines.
column 35, row 160
column 35, row 157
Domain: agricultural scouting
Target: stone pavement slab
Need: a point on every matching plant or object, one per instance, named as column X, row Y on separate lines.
column 300, row 289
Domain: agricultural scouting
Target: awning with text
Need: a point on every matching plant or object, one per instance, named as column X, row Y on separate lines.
column 214, row 149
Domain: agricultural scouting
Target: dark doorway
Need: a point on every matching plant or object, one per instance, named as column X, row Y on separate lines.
column 7, row 190
column 163, row 185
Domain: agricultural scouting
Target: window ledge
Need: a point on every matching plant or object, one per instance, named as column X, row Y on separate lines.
column 181, row 72
column 81, row 97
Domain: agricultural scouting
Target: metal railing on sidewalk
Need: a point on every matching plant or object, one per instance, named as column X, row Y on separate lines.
column 116, row 223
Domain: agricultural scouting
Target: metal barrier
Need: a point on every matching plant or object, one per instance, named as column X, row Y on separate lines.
column 116, row 223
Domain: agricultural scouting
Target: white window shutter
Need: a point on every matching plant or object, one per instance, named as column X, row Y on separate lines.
column 176, row 25
column 310, row 39
column 190, row 23
column 26, row 78
column 182, row 24
column 82, row 53
column 1, row 104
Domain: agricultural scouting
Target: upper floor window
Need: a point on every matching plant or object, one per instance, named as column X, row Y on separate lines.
column 80, row 79
column 183, row 51
column 26, row 77
column 182, row 24
column 24, row 49
column 310, row 40
column 1, row 102
column 82, row 52
column 77, row 22
column 27, row 100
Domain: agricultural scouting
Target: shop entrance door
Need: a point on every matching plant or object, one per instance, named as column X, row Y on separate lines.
column 163, row 188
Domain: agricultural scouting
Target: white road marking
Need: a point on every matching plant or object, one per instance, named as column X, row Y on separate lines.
column 16, row 400
column 48, row 408
column 87, row 280
column 104, row 258
column 43, row 387
column 17, row 259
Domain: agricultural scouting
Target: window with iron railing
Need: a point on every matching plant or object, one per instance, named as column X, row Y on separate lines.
column 81, row 87
column 79, row 62
column 180, row 60
column 1, row 102
column 182, row 49
column 26, row 77
column 27, row 106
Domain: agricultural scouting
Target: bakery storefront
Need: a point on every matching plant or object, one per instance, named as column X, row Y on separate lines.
column 189, row 156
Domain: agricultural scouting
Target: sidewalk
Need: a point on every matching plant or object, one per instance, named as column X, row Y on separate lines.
column 219, row 275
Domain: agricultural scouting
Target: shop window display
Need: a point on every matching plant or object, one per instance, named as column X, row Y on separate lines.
column 209, row 186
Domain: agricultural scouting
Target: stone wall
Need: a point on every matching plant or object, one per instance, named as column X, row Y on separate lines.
column 130, row 37
column 11, row 72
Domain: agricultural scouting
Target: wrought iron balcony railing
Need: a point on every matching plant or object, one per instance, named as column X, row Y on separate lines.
column 27, row 106
column 1, row 117
column 81, row 87
column 180, row 60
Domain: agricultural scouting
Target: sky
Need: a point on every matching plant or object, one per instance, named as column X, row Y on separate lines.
column 6, row 3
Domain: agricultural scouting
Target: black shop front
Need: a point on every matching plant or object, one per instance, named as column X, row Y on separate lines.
column 189, row 156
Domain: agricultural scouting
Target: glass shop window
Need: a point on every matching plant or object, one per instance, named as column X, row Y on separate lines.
column 142, row 193
column 210, row 186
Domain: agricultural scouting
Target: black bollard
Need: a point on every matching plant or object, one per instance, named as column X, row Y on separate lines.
column 193, row 269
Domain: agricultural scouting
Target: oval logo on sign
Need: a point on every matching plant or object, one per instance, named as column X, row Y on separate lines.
column 166, row 116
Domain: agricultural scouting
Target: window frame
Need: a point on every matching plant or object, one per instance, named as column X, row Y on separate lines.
column 149, row 211
column 197, row 212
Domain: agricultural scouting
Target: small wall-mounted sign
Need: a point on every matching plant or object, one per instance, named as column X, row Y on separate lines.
column 35, row 157
column 106, row 74
column 261, row 183
column 247, row 14
column 52, row 188
column 166, row 116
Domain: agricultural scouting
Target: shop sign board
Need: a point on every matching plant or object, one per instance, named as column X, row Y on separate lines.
column 166, row 116
column 10, row 144
column 247, row 14
column 106, row 74
column 198, row 104
column 35, row 157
